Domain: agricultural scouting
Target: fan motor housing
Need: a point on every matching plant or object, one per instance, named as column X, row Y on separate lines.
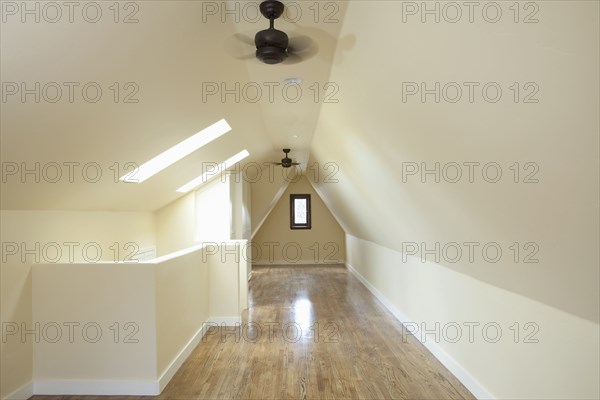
column 286, row 162
column 271, row 45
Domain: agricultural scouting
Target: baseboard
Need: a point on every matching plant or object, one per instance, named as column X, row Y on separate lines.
column 96, row 387
column 22, row 393
column 178, row 361
column 457, row 370
column 225, row 321
column 172, row 369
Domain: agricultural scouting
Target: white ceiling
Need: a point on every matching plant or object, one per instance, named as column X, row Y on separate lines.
column 176, row 51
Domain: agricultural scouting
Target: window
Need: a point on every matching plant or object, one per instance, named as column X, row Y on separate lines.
column 300, row 211
column 213, row 212
column 214, row 172
column 177, row 152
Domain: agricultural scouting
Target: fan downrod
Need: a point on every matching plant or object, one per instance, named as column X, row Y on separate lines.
column 271, row 44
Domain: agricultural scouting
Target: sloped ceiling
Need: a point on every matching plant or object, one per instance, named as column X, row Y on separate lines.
column 172, row 55
column 367, row 51
column 372, row 133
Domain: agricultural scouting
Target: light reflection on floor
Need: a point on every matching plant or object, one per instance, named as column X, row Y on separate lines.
column 303, row 313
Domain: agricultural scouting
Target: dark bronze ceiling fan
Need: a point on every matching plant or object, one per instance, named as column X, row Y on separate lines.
column 274, row 46
column 286, row 162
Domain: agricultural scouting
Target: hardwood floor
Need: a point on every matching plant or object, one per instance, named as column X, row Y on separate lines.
column 311, row 332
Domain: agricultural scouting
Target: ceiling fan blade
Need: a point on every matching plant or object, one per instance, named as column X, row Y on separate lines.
column 248, row 56
column 301, row 43
column 303, row 46
column 293, row 59
column 295, row 163
column 244, row 39
column 240, row 47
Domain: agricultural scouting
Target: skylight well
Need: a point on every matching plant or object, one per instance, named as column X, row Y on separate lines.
column 177, row 152
column 205, row 177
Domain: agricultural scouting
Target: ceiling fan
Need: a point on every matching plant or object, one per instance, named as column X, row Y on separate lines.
column 286, row 162
column 274, row 46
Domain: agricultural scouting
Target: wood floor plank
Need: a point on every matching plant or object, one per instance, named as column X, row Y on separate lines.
column 311, row 332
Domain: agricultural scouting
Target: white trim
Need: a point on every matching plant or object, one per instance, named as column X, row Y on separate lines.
column 457, row 370
column 178, row 361
column 22, row 393
column 96, row 387
column 225, row 321
column 274, row 201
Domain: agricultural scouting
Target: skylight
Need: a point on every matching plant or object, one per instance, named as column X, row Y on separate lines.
column 177, row 152
column 210, row 174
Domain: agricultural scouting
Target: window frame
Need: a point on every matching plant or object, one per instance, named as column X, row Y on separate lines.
column 293, row 198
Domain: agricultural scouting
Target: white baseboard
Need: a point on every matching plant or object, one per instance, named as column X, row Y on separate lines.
column 96, row 387
column 22, row 393
column 225, row 321
column 457, row 370
column 178, row 361
column 172, row 369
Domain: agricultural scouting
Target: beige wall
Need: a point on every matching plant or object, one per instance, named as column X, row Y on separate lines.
column 101, row 299
column 46, row 227
column 16, row 355
column 516, row 344
column 176, row 225
column 241, row 210
column 126, row 328
column 96, row 229
column 370, row 137
column 373, row 136
column 171, row 228
column 265, row 191
column 228, row 278
column 324, row 243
